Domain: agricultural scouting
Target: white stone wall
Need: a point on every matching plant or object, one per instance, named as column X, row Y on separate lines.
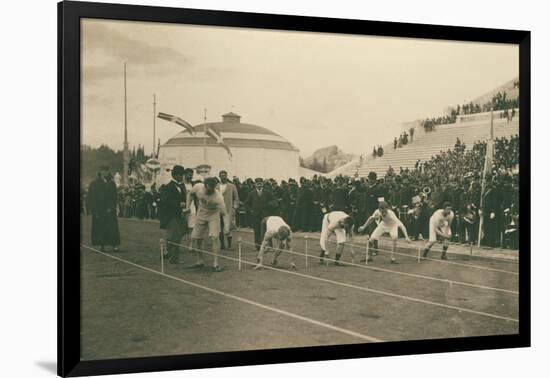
column 246, row 162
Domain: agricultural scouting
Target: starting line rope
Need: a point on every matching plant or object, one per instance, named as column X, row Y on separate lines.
column 436, row 260
column 362, row 288
column 402, row 245
column 244, row 300
column 425, row 258
column 451, row 282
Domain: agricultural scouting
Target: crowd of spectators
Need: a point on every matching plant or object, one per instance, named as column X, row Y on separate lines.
column 499, row 102
column 453, row 175
column 403, row 139
column 377, row 152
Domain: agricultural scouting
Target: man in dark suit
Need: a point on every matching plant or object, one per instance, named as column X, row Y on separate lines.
column 260, row 204
column 172, row 214
column 102, row 202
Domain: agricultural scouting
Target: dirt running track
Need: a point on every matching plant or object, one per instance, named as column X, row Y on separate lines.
column 129, row 312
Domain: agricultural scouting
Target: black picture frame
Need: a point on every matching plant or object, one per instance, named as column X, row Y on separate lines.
column 69, row 15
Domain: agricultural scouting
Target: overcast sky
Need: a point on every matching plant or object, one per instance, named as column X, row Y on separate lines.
column 313, row 89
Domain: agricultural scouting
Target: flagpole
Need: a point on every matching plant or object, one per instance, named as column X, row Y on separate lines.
column 153, row 155
column 483, row 179
column 204, row 137
column 125, row 152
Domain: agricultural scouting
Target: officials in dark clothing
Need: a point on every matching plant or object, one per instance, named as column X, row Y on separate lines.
column 260, row 203
column 102, row 201
column 172, row 213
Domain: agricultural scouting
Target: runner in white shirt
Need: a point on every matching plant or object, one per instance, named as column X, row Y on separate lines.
column 440, row 229
column 211, row 205
column 340, row 224
column 389, row 223
column 275, row 227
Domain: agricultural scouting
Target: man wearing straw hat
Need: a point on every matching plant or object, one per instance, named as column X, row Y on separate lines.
column 274, row 227
column 340, row 224
column 440, row 229
column 389, row 223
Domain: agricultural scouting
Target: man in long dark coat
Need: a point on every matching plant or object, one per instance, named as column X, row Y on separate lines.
column 171, row 213
column 102, row 199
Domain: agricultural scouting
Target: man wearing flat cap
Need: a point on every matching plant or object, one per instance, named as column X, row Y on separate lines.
column 172, row 213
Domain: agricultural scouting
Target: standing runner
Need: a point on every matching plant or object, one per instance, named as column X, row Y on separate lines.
column 440, row 229
column 274, row 227
column 211, row 205
column 340, row 224
column 389, row 223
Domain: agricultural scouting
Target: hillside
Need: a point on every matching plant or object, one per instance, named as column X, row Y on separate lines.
column 327, row 159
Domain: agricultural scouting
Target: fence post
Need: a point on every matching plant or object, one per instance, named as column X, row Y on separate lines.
column 240, row 251
column 367, row 252
column 161, row 247
column 306, row 240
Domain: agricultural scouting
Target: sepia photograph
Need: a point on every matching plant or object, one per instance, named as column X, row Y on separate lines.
column 251, row 189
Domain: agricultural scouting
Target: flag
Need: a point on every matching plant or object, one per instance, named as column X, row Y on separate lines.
column 217, row 136
column 177, row 120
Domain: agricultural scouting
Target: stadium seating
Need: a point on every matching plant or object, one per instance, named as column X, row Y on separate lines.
column 429, row 144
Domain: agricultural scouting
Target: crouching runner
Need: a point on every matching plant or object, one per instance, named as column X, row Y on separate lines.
column 340, row 224
column 440, row 229
column 389, row 223
column 274, row 227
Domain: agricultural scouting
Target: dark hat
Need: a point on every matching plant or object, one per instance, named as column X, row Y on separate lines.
column 178, row 170
column 372, row 175
column 258, row 179
column 188, row 170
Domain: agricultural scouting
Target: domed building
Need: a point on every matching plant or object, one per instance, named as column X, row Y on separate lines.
column 255, row 151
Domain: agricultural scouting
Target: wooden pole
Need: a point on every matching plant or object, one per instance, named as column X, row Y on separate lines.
column 204, row 138
column 306, row 248
column 367, row 252
column 153, row 154
column 240, row 251
column 161, row 247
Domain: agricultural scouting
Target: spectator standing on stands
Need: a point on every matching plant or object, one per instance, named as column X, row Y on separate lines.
column 411, row 131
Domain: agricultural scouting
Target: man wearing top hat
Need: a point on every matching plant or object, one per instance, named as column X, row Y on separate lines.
column 172, row 213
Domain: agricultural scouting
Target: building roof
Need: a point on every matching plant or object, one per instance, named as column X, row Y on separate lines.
column 234, row 134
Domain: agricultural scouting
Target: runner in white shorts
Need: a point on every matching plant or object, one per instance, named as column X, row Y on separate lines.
column 440, row 229
column 389, row 223
column 207, row 223
column 275, row 227
column 338, row 223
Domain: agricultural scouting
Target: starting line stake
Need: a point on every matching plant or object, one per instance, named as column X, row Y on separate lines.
column 240, row 251
column 306, row 249
column 161, row 247
column 418, row 258
column 367, row 253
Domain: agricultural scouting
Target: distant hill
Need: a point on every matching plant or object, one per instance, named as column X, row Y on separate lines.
column 326, row 159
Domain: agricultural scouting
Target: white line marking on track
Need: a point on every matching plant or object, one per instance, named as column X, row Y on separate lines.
column 248, row 301
column 412, row 299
